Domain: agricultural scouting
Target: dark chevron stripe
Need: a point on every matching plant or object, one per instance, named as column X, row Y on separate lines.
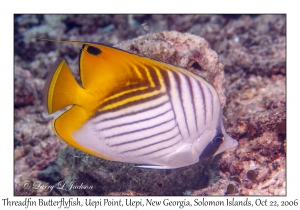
column 166, row 78
column 142, row 129
column 193, row 100
column 134, row 86
column 163, row 148
column 130, row 123
column 203, row 99
column 149, row 145
column 155, row 79
column 135, row 140
column 189, row 90
column 132, row 103
column 128, row 114
column 212, row 103
column 178, row 81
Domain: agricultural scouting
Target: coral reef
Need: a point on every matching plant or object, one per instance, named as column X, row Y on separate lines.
column 252, row 91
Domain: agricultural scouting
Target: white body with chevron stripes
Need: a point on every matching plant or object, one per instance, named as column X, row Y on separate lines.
column 134, row 109
column 170, row 131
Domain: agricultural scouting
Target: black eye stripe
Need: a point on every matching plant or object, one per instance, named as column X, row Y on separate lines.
column 212, row 147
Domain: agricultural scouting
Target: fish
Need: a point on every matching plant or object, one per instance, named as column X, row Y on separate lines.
column 134, row 109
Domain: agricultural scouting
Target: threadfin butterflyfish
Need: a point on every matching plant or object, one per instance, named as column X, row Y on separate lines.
column 134, row 109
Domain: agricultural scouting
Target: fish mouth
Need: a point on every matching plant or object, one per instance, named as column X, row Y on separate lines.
column 227, row 144
column 234, row 143
column 230, row 142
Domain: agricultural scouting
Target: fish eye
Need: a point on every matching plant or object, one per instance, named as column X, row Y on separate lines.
column 218, row 139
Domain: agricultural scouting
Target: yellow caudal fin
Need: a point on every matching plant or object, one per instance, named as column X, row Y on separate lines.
column 61, row 88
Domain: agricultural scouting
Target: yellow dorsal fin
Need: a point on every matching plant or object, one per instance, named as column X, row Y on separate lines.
column 104, row 72
column 106, row 67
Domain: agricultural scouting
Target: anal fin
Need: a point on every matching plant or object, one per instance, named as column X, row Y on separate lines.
column 69, row 122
